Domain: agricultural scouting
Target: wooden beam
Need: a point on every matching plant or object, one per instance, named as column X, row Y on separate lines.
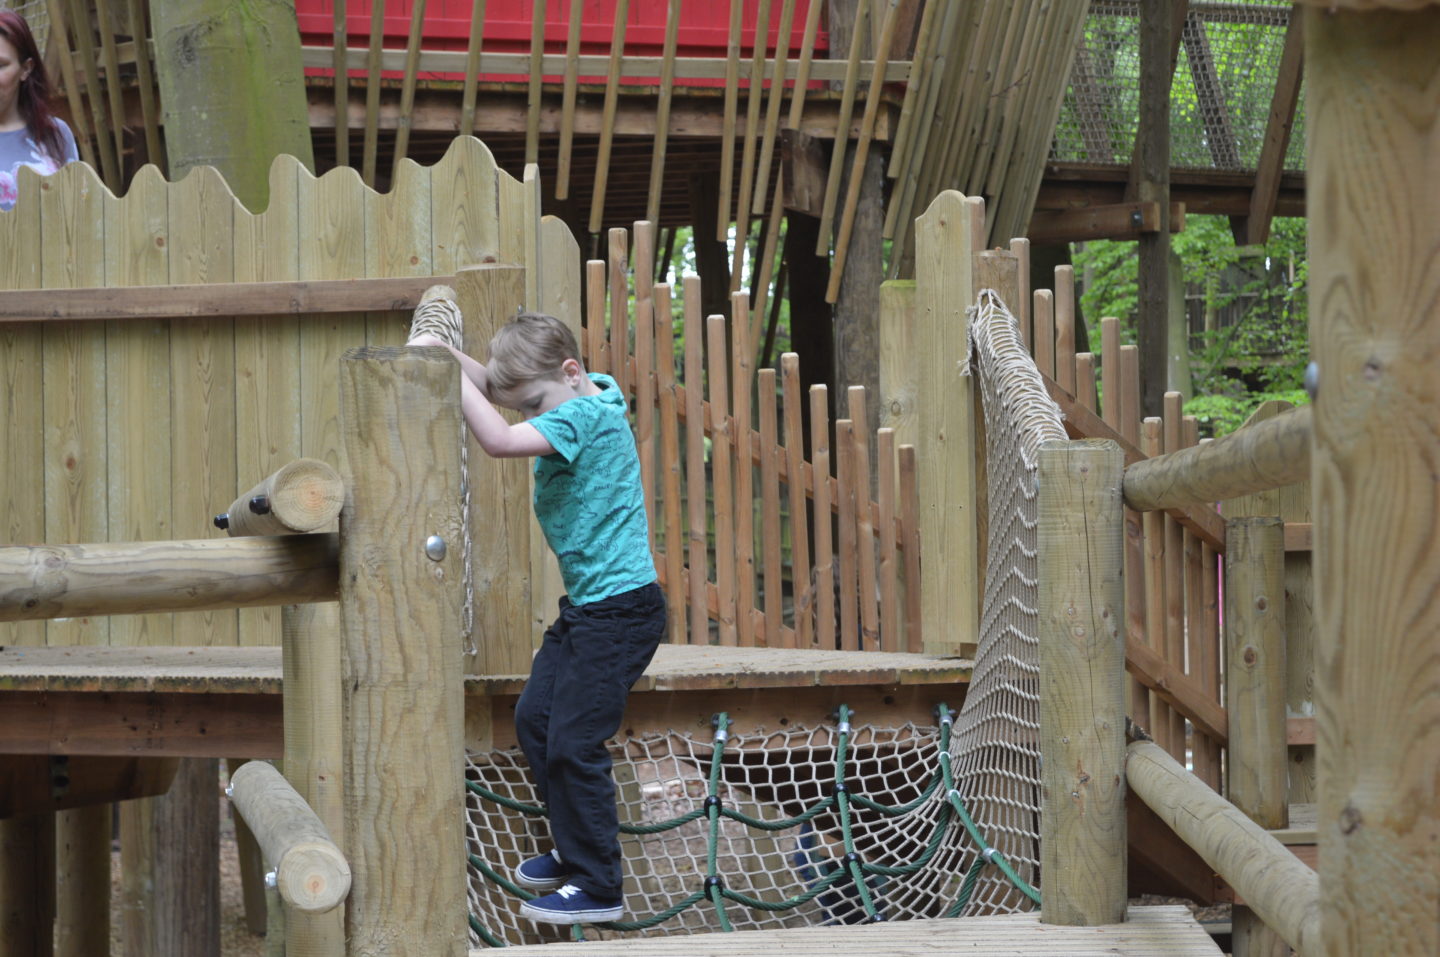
column 220, row 300
column 1271, row 163
column 1112, row 221
column 44, row 783
column 71, row 581
column 158, row 724
column 1209, row 192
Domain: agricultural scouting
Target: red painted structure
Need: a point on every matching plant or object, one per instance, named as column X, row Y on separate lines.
column 704, row 29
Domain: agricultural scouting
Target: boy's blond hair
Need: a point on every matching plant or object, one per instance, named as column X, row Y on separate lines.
column 531, row 346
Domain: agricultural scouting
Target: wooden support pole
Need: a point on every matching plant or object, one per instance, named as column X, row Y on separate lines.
column 1255, row 692
column 70, row 581
column 1270, row 454
column 1275, row 883
column 1082, row 681
column 401, row 601
column 310, row 872
column 82, row 880
column 1376, row 341
column 302, row 496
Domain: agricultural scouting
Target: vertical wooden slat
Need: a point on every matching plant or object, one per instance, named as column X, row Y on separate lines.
column 889, row 571
column 1174, row 578
column 910, row 541
column 727, row 132
column 1085, row 381
column 1044, row 334
column 695, row 463
column 407, row 83
column 868, row 585
column 770, row 510
column 662, row 111
column 619, row 271
column 772, row 107
column 1210, row 651
column 22, row 422
column 1152, row 444
column 845, row 540
column 802, row 598
column 674, row 563
column 79, row 117
column 1065, row 327
column 842, row 132
column 822, row 579
column 465, row 196
column 1020, row 246
column 1194, row 612
column 567, row 103
column 340, row 53
column 72, row 220
column 743, row 364
column 202, row 376
column 721, row 441
column 112, row 81
column 372, row 91
column 607, row 127
column 1110, row 371
column 137, row 359
column 532, row 101
column 596, row 349
column 472, row 68
column 645, row 366
column 754, row 96
column 1130, row 393
column 109, row 158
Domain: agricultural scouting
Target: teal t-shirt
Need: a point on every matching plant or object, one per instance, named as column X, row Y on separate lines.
column 588, row 497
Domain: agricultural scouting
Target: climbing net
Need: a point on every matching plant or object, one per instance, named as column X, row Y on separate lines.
column 830, row 821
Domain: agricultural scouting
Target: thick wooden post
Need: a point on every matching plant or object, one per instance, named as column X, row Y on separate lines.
column 1375, row 268
column 1082, row 684
column 82, row 881
column 500, row 514
column 401, row 596
column 1255, row 693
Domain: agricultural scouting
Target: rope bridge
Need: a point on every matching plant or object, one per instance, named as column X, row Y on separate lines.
column 831, row 823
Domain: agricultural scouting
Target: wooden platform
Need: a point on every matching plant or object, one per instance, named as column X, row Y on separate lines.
column 1148, row 932
column 226, row 702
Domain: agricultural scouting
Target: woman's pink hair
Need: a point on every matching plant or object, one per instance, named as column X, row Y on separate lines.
column 34, row 96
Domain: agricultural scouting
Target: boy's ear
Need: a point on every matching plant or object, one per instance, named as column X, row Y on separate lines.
column 572, row 369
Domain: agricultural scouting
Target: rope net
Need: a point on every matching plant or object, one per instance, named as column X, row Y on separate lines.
column 824, row 822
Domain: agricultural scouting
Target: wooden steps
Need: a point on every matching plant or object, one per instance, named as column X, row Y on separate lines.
column 1147, row 932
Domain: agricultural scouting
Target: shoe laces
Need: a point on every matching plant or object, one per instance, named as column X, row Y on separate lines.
column 568, row 891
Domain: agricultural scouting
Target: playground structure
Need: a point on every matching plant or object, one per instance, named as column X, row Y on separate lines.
column 1294, row 916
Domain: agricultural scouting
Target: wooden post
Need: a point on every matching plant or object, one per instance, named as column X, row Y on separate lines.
column 1255, row 691
column 1153, row 185
column 82, row 880
column 401, row 600
column 1376, row 342
column 500, row 512
column 1082, row 681
column 27, row 885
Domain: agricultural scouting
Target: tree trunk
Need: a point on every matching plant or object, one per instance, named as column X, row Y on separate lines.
column 233, row 89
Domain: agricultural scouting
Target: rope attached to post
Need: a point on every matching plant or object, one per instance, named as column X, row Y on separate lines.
column 438, row 314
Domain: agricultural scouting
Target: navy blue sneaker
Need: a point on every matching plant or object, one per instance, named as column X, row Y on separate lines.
column 544, row 873
column 571, row 905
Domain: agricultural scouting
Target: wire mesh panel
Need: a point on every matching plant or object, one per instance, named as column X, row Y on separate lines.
column 1220, row 96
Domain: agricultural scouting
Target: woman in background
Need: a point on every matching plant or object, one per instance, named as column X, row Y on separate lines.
column 30, row 135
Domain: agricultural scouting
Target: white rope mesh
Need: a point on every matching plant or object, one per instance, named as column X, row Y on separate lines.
column 439, row 314
column 775, row 775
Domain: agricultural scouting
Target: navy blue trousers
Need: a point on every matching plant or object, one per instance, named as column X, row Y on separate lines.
column 572, row 704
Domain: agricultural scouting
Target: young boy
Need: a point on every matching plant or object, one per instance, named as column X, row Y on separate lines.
column 590, row 505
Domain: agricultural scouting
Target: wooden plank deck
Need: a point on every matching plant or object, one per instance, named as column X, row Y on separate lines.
column 1148, row 932
column 225, row 702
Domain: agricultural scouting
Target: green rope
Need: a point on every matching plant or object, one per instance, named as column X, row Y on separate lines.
column 853, row 868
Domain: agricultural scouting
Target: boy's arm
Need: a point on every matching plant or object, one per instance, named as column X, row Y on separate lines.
column 497, row 437
column 473, row 369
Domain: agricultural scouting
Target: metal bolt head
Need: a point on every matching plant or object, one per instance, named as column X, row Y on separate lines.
column 229, row 790
column 272, row 878
column 435, row 548
column 1312, row 380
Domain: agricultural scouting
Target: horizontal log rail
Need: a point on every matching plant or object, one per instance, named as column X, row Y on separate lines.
column 1081, row 423
column 596, row 65
column 1267, row 455
column 1274, row 883
column 72, row 581
column 199, row 301
column 310, row 872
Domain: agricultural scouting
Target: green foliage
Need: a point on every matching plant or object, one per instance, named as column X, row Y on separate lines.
column 1262, row 355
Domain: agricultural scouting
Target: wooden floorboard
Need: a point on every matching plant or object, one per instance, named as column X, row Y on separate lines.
column 1148, row 932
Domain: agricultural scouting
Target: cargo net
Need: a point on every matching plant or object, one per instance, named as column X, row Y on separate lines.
column 831, row 821
column 1225, row 76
